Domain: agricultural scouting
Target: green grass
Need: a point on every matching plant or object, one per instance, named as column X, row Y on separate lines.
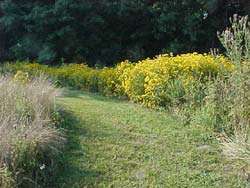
column 118, row 144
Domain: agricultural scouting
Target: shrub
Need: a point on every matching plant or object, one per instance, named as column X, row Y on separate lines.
column 107, row 81
column 165, row 80
column 73, row 75
column 162, row 81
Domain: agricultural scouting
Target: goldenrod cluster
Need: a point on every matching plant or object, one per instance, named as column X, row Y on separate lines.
column 152, row 82
column 21, row 77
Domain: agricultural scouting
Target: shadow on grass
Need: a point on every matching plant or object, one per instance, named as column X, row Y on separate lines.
column 95, row 96
column 71, row 168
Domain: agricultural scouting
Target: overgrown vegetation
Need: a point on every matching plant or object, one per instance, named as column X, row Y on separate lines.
column 234, row 93
column 161, row 81
column 207, row 90
column 29, row 140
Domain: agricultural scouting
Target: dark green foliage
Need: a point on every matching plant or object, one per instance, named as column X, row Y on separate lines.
column 104, row 31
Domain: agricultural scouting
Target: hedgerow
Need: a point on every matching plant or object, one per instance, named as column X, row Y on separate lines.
column 161, row 81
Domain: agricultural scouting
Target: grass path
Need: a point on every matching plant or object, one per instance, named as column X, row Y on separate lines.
column 119, row 144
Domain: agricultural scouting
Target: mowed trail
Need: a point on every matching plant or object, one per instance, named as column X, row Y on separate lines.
column 113, row 143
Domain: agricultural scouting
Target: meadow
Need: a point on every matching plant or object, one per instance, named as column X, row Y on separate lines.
column 169, row 121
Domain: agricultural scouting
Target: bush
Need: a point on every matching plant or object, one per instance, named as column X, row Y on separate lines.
column 107, row 81
column 162, row 81
column 29, row 141
column 165, row 80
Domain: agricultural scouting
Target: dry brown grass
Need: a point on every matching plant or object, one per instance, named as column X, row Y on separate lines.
column 25, row 122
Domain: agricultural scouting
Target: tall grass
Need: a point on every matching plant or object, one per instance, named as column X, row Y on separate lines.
column 236, row 90
column 28, row 138
column 226, row 105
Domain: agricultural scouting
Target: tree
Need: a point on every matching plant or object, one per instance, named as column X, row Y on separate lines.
column 103, row 31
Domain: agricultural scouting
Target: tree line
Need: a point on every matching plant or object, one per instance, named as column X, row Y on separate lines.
column 103, row 32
